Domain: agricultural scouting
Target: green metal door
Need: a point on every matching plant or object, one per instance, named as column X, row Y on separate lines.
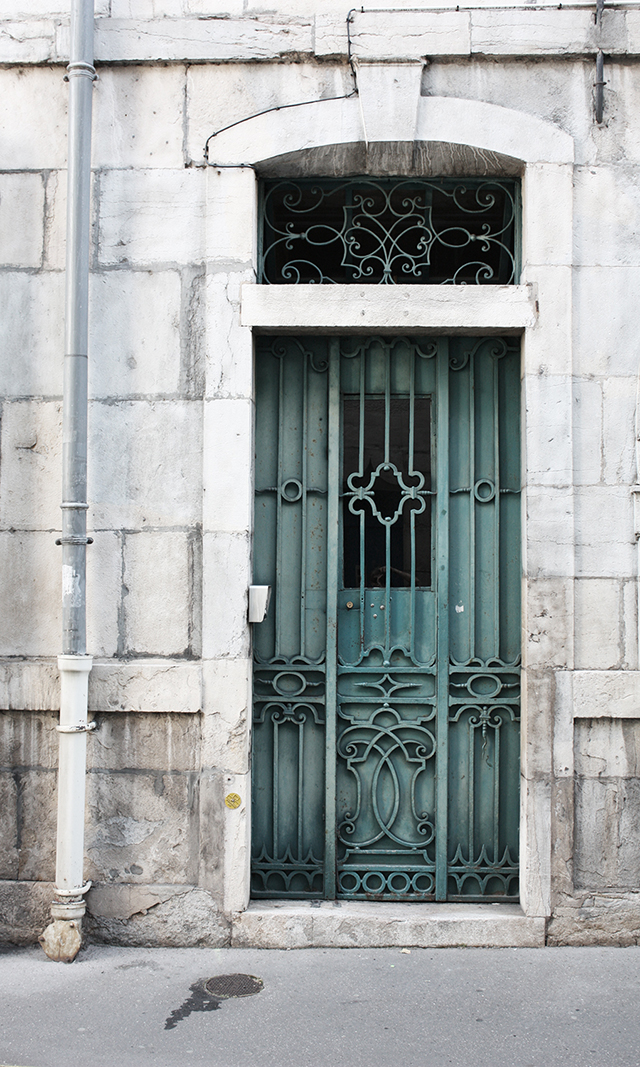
column 386, row 680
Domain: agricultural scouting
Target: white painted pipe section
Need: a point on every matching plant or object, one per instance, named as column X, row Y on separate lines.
column 70, row 885
column 635, row 489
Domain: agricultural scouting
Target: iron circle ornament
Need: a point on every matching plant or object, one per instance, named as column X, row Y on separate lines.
column 285, row 685
column 291, row 490
column 488, row 688
column 484, row 490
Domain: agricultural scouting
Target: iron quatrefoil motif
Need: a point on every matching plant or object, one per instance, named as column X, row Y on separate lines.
column 415, row 493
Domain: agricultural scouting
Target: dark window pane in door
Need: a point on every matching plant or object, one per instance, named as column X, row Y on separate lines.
column 373, row 430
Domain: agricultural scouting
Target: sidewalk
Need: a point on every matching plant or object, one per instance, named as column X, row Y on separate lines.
column 116, row 1007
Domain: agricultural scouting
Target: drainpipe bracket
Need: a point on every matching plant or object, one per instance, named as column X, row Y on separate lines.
column 75, row 663
column 84, row 728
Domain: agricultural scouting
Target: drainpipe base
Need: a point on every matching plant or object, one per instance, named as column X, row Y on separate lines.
column 62, row 939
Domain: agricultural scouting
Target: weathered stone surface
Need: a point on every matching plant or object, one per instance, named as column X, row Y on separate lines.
column 229, row 363
column 151, row 461
column 187, row 919
column 21, row 220
column 215, row 40
column 135, row 821
column 32, row 478
column 604, row 540
column 24, row 910
column 598, row 638
column 450, row 308
column 31, row 333
column 410, row 34
column 228, row 452
column 157, row 600
column 152, row 217
column 226, row 729
column 363, row 925
column 138, row 117
column 226, row 628
column 151, row 742
column 27, row 41
column 37, row 822
column 597, row 919
column 9, row 834
column 146, row 685
column 548, row 622
column 31, row 613
column 28, row 740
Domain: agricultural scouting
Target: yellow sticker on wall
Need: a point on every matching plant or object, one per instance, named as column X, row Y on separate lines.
column 232, row 800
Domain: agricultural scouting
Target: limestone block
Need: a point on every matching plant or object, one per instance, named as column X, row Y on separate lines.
column 443, row 307
column 330, row 38
column 562, row 725
column 27, row 41
column 134, row 333
column 151, row 217
column 29, row 9
column 630, row 624
column 31, row 333
column 55, row 220
column 218, row 95
column 237, row 843
column 146, row 463
column 605, row 545
column 138, row 117
column 9, row 835
column 362, row 924
column 548, row 452
column 232, row 217
column 607, row 216
column 410, row 35
column 212, row 811
column 104, row 590
column 146, row 9
column 619, row 443
column 623, row 97
column 229, row 351
column 550, row 533
column 538, row 719
column 598, row 644
column 389, row 95
column 163, row 744
column 226, row 580
column 548, row 623
column 215, row 40
column 496, row 129
column 587, row 431
column 28, row 686
column 562, row 97
column 38, row 820
column 607, row 694
column 28, row 739
column 21, row 95
column 547, row 346
column 227, row 459
column 527, row 31
column 547, row 231
column 190, row 917
column 21, row 220
column 24, row 910
column 605, row 343
column 227, row 714
column 228, row 8
column 597, row 919
column 138, row 827
column 157, row 593
column 535, row 850
column 31, row 465
column 146, row 685
column 607, row 803
column 30, row 593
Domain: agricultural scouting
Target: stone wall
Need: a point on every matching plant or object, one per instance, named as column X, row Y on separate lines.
column 171, row 427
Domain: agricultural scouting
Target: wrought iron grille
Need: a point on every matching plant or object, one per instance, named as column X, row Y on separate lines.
column 390, row 231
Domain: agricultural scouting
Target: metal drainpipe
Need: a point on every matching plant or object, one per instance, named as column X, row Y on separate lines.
column 63, row 937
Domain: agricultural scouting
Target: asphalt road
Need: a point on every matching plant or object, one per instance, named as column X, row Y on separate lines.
column 131, row 1007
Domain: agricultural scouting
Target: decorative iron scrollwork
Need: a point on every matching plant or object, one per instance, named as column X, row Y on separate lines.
column 390, row 231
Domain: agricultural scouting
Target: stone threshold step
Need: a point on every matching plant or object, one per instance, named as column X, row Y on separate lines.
column 364, row 924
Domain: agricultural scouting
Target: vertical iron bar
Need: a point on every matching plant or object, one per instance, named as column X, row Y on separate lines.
column 442, row 584
column 276, row 787
column 472, row 507
column 412, row 520
column 300, row 787
column 387, row 529
column 471, row 791
column 496, row 507
column 279, row 539
column 363, row 368
column 333, row 526
column 496, row 794
column 303, row 504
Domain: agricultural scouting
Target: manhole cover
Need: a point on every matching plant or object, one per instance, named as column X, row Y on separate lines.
column 226, row 986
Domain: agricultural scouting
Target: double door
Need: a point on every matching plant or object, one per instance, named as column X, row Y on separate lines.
column 385, row 754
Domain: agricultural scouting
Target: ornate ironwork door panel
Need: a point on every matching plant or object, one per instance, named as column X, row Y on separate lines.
column 385, row 754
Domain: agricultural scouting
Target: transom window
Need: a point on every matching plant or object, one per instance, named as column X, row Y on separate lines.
column 434, row 231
